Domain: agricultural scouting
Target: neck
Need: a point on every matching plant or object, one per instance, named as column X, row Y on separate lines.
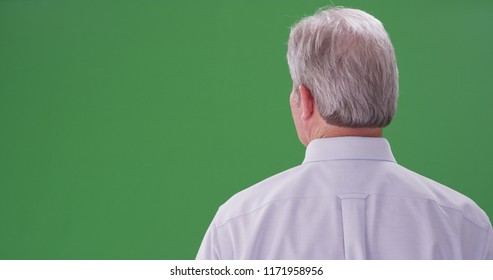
column 328, row 131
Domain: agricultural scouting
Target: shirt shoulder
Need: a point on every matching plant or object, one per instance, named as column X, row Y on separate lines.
column 444, row 196
column 277, row 188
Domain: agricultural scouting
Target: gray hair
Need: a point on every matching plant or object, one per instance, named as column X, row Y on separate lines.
column 345, row 57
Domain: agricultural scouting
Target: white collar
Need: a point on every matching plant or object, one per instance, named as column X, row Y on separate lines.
column 349, row 147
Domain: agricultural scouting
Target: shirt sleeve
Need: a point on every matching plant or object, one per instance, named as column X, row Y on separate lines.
column 489, row 245
column 208, row 249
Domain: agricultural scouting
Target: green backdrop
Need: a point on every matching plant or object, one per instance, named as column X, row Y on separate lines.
column 125, row 124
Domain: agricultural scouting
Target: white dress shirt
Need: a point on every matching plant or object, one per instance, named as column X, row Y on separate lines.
column 348, row 200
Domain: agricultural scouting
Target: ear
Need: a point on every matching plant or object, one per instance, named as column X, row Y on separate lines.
column 307, row 102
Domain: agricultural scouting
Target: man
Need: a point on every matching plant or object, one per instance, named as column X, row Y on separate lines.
column 349, row 199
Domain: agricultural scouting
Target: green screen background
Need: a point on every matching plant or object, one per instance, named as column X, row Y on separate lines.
column 125, row 124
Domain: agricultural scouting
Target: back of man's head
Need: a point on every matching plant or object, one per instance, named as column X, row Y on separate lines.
column 345, row 58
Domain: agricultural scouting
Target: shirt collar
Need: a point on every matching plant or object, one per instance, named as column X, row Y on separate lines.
column 349, row 147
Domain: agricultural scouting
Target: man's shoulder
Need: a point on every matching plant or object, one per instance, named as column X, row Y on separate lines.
column 270, row 190
column 446, row 197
